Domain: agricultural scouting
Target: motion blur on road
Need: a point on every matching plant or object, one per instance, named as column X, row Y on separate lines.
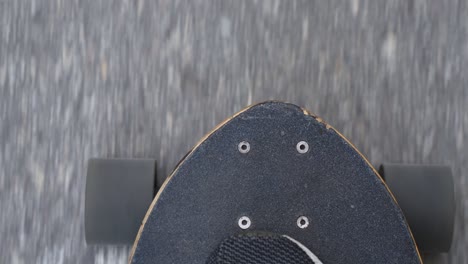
column 140, row 78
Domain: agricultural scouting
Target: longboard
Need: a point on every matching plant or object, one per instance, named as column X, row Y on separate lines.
column 275, row 164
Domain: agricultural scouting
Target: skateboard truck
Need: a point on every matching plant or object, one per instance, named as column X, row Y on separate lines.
column 120, row 191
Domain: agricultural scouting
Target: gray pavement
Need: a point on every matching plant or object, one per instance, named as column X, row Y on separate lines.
column 140, row 78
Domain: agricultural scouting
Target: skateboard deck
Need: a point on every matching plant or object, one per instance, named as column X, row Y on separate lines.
column 274, row 163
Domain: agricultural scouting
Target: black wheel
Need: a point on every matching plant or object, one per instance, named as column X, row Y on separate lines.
column 118, row 194
column 426, row 196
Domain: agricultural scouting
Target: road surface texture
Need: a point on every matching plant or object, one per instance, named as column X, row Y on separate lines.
column 140, row 78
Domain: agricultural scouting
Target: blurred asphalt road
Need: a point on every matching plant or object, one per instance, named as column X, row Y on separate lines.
column 140, row 78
